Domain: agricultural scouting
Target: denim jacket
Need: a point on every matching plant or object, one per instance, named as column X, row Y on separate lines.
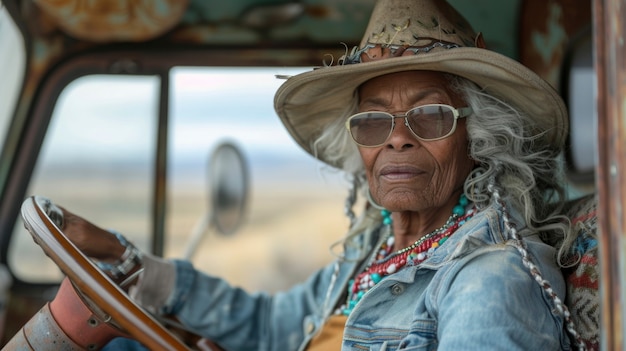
column 473, row 293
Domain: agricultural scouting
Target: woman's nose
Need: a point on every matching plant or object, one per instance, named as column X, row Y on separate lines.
column 401, row 136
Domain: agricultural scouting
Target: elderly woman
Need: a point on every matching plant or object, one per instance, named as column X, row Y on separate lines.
column 455, row 147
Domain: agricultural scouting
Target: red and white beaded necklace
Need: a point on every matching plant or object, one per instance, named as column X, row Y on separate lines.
column 387, row 262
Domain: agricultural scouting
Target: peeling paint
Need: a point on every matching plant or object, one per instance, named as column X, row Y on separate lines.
column 548, row 43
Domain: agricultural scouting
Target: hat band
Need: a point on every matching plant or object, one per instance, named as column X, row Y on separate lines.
column 373, row 52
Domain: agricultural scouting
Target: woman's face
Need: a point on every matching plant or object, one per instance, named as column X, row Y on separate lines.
column 405, row 173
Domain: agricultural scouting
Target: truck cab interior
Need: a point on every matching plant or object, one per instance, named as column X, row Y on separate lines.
column 137, row 116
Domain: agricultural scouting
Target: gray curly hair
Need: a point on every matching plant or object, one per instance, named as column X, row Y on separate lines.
column 505, row 145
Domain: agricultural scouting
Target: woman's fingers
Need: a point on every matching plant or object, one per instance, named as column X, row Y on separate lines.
column 92, row 240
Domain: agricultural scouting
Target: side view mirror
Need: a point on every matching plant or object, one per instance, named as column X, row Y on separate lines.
column 228, row 184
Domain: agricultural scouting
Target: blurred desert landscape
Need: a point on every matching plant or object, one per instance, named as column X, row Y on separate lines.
column 286, row 235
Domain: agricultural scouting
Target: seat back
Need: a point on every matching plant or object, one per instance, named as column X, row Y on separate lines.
column 582, row 277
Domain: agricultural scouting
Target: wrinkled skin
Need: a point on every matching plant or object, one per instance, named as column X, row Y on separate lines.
column 419, row 181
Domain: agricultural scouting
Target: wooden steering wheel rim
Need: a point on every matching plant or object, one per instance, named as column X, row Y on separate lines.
column 93, row 283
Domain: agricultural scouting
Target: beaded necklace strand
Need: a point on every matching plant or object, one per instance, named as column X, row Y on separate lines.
column 387, row 262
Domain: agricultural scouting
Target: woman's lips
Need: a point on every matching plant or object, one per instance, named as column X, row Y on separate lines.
column 400, row 172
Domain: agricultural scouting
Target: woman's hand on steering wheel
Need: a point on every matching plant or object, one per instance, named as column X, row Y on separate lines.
column 92, row 240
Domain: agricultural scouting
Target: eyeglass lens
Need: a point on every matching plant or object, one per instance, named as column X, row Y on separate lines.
column 427, row 122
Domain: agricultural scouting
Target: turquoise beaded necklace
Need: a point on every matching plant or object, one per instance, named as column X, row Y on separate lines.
column 386, row 262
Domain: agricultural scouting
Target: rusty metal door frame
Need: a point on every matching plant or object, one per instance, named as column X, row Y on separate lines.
column 610, row 65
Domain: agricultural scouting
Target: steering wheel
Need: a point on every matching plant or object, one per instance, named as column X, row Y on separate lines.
column 90, row 281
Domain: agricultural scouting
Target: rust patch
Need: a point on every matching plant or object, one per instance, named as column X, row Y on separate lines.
column 546, row 28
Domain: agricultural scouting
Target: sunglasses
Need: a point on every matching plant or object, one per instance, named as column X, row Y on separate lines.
column 427, row 122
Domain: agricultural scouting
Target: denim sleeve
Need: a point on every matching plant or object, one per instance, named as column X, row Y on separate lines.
column 493, row 303
column 238, row 320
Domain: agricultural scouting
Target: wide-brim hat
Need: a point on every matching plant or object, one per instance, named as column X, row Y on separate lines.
column 405, row 35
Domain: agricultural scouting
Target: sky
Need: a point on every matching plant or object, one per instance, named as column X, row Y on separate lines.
column 114, row 116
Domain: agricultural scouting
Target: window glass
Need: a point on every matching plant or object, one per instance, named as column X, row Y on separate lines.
column 13, row 58
column 97, row 160
column 295, row 204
